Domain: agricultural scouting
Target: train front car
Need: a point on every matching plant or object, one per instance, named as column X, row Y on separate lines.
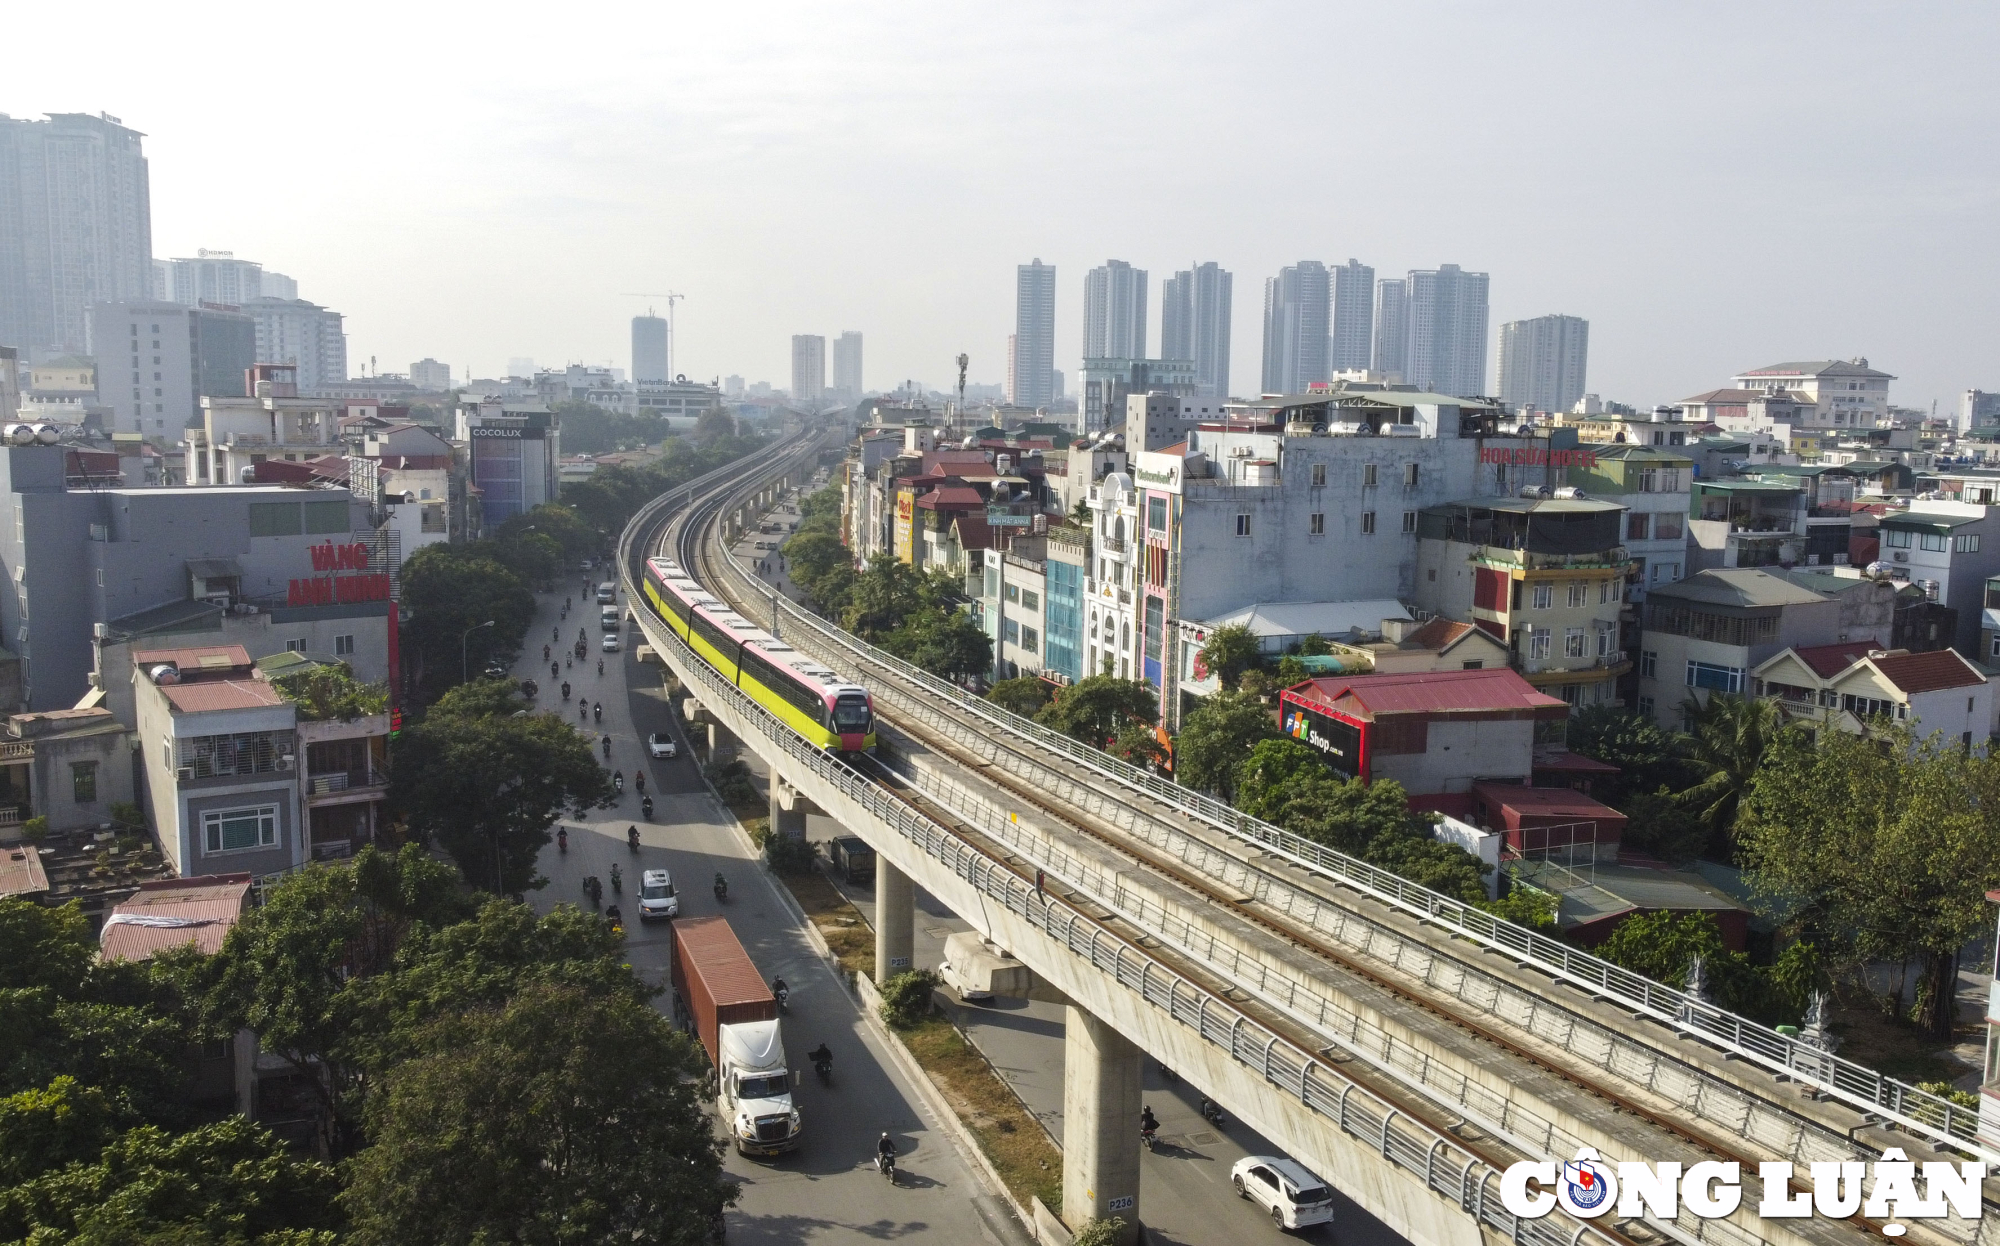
column 852, row 714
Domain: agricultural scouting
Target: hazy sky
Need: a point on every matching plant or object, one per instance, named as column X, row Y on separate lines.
column 1714, row 187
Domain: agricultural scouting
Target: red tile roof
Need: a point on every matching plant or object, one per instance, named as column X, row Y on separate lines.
column 1438, row 634
column 973, row 532
column 175, row 911
column 1827, row 661
column 1928, row 672
column 951, row 495
column 1429, row 692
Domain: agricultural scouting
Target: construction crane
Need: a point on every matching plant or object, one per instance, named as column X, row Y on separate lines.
column 672, row 340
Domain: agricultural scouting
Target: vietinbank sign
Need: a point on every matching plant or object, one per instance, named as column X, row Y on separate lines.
column 1887, row 1190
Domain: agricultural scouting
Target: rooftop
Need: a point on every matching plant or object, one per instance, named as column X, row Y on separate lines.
column 221, row 694
column 1308, row 618
column 21, row 872
column 1827, row 661
column 1928, row 519
column 1737, row 586
column 1819, row 367
column 1429, row 692
column 1540, row 506
column 170, row 912
column 189, row 661
column 1928, row 672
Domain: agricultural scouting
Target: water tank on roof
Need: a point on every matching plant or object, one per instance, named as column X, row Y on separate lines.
column 1570, row 491
column 164, row 674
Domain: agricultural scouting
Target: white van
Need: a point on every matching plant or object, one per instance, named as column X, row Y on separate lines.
column 609, row 619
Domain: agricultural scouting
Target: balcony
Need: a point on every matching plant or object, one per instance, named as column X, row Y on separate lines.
column 341, row 786
column 17, row 750
column 1111, row 544
column 1494, row 555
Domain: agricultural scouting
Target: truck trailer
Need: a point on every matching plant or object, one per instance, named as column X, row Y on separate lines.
column 736, row 1018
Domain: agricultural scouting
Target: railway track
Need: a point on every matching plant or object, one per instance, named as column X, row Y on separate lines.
column 1178, row 888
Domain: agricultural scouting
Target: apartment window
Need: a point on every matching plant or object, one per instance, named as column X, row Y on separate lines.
column 1579, row 594
column 1319, row 475
column 1368, row 475
column 1936, row 542
column 1014, row 593
column 1715, row 678
column 1638, row 527
column 1646, row 706
column 1668, row 526
column 343, row 646
column 1030, row 600
column 1010, row 631
column 1870, row 707
column 1316, row 524
column 1896, row 538
column 1574, row 645
column 1966, row 543
column 1409, row 521
column 227, row 830
column 83, row 782
column 1243, row 525
column 1610, row 591
column 1545, row 596
column 1367, row 523
column 1156, row 514
column 295, row 646
column 1030, row 639
column 1410, row 475
column 1646, row 479
column 1607, row 639
column 1540, row 640
column 1666, row 572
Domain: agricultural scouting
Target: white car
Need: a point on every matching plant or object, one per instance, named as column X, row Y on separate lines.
column 660, row 744
column 1294, row 1198
column 611, row 642
column 657, row 900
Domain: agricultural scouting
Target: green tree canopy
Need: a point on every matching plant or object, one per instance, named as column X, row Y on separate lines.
column 489, row 787
column 944, row 641
column 448, row 592
column 1096, row 709
column 1725, row 744
column 560, row 523
column 560, row 1116
column 1878, row 848
column 1229, row 652
column 1216, row 738
column 1647, row 756
column 1024, row 695
column 330, row 692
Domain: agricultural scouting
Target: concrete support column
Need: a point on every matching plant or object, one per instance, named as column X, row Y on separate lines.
column 1101, row 1102
column 719, row 739
column 895, row 921
column 788, row 820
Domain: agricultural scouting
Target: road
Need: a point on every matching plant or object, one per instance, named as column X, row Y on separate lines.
column 826, row 1192
column 1185, row 1195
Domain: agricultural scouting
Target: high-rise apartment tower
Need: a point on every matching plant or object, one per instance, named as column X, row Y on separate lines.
column 1194, row 324
column 1295, row 328
column 1447, row 331
column 1542, row 362
column 1114, row 312
column 76, row 227
column 651, row 361
column 1392, row 326
column 808, row 370
column 1034, row 343
column 847, row 365
column 1353, row 317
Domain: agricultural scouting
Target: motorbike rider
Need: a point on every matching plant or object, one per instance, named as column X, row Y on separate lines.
column 646, row 807
column 562, row 839
column 820, row 1055
column 545, row 653
column 632, row 836
column 607, row 748
column 600, row 668
column 639, row 781
column 778, row 987
column 885, row 1150
column 1148, row 1123
column 597, row 712
column 618, row 779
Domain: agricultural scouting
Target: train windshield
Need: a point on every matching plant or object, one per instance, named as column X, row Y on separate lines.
column 850, row 713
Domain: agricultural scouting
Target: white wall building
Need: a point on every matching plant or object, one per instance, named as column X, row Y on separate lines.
column 1543, row 362
column 1114, row 312
column 431, row 376
column 302, row 334
column 847, row 365
column 1031, row 358
column 156, row 361
column 1843, row 393
column 808, row 369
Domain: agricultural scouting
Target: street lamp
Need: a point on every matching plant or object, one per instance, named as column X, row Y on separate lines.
column 464, row 666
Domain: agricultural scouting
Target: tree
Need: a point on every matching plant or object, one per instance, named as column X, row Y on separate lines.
column 225, row 1183
column 1287, row 784
column 49, row 1127
column 447, row 593
column 883, row 596
column 1878, row 848
column 1216, row 738
column 1025, row 695
column 1726, row 741
column 329, row 692
column 1229, row 652
column 1647, row 756
column 489, row 787
column 1430, row 862
column 534, row 556
column 944, row 641
column 556, row 521
column 1096, row 709
column 715, row 424
column 560, row 1116
column 1662, row 825
column 814, row 555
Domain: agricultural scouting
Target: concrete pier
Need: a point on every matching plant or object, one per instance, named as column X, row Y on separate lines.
column 1101, row 1102
column 895, row 921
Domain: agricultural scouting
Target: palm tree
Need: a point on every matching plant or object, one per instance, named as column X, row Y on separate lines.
column 1725, row 741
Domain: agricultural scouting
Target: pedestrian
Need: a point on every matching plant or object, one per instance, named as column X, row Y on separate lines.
column 1039, row 880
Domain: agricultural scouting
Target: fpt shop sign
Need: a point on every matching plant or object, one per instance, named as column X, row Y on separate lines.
column 328, row 587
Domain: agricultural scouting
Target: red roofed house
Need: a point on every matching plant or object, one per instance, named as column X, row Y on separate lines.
column 1432, row 732
column 1847, row 685
column 171, row 912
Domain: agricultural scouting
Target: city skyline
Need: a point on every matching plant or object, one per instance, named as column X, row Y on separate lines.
column 537, row 267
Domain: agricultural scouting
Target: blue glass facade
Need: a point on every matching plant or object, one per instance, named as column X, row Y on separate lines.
column 1062, row 647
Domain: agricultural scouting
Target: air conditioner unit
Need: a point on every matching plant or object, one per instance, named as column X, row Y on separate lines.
column 286, row 761
column 1900, row 556
column 186, row 774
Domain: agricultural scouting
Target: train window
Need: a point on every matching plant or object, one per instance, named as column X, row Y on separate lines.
column 850, row 712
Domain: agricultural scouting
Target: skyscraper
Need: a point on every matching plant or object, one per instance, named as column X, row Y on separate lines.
column 1447, row 331
column 1114, row 312
column 1295, row 328
column 1542, row 362
column 211, row 277
column 1392, row 326
column 651, row 352
column 1353, row 312
column 303, row 334
column 174, row 356
column 808, row 369
column 76, row 203
column 847, row 365
column 1194, row 324
column 1034, row 344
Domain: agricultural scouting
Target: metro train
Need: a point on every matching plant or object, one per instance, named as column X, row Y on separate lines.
column 812, row 700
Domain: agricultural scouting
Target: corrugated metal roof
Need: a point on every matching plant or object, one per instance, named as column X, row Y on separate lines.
column 209, row 905
column 221, row 694
column 1736, row 586
column 204, row 658
column 1306, row 618
column 21, row 872
column 1430, row 692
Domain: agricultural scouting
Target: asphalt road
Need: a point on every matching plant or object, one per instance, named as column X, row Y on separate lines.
column 825, row 1192
column 1185, row 1195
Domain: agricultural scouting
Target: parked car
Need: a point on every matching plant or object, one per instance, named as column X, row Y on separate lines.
column 1293, row 1197
column 660, row 744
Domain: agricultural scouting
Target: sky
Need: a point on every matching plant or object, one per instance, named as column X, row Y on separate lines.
column 1713, row 186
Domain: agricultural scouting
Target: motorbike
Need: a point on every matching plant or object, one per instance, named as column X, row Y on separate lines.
column 646, row 807
column 600, row 668
column 721, row 887
column 597, row 712
column 617, row 920
column 545, row 653
column 639, row 781
column 618, row 782
column 555, row 672
column 593, row 889
column 562, row 839
column 1146, row 1136
column 781, row 993
column 582, row 714
column 607, row 748
column 885, row 1164
column 565, row 689
column 617, row 880
column 632, row 836
column 1211, row 1112
column 825, row 1070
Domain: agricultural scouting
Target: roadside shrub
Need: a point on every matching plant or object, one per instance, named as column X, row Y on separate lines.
column 906, row 998
column 1102, row 1231
column 35, row 829
column 788, row 855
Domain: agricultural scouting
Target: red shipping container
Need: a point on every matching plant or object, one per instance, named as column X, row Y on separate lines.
column 716, row 980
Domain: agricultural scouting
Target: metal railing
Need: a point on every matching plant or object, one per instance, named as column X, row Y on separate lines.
column 1445, row 1167
column 1929, row 1115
